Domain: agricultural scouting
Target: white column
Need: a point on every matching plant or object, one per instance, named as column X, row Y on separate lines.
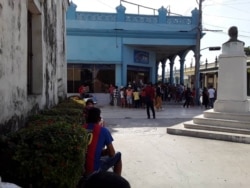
column 232, row 81
column 215, row 81
column 205, row 84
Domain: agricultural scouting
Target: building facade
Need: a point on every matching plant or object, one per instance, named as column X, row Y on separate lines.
column 33, row 61
column 119, row 48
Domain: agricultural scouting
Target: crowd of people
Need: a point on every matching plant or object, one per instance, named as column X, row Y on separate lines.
column 133, row 95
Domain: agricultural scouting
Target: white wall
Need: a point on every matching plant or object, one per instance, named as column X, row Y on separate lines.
column 49, row 63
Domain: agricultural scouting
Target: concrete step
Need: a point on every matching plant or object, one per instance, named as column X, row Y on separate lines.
column 191, row 125
column 216, row 135
column 224, row 115
column 221, row 122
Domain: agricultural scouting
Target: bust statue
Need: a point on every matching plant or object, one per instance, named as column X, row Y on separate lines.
column 233, row 46
column 233, row 34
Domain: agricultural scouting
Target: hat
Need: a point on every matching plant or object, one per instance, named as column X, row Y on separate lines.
column 89, row 101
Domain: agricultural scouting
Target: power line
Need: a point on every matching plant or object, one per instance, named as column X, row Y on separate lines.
column 236, row 1
column 225, row 33
column 150, row 8
column 231, row 2
column 232, row 18
column 226, row 4
column 105, row 4
column 231, row 7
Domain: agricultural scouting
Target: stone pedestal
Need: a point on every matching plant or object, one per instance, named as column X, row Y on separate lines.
column 232, row 79
column 230, row 118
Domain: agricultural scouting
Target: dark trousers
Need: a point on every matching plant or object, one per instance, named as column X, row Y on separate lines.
column 211, row 102
column 187, row 101
column 150, row 105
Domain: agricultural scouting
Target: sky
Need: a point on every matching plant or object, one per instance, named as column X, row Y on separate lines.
column 217, row 17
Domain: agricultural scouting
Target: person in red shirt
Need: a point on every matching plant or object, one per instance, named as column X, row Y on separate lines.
column 150, row 96
column 81, row 91
column 101, row 154
column 143, row 98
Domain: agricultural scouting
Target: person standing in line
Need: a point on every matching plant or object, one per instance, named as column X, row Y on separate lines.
column 122, row 97
column 101, row 154
column 150, row 96
column 115, row 95
column 111, row 92
column 211, row 92
column 193, row 97
column 188, row 97
column 205, row 97
column 129, row 96
column 143, row 97
column 136, row 96
column 215, row 94
column 158, row 102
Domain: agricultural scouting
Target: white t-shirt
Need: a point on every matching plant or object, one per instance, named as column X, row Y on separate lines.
column 211, row 92
column 122, row 94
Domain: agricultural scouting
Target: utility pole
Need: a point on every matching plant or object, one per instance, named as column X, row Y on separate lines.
column 197, row 55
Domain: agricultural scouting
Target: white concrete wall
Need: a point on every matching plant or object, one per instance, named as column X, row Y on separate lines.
column 49, row 63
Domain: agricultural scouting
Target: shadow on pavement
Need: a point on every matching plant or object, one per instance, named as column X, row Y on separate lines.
column 113, row 123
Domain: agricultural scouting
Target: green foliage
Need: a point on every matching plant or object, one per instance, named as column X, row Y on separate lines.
column 53, row 154
column 41, row 119
column 72, row 103
column 49, row 152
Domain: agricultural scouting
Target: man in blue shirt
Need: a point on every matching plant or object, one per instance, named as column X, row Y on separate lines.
column 101, row 154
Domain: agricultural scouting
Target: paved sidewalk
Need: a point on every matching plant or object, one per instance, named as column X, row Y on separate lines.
column 154, row 159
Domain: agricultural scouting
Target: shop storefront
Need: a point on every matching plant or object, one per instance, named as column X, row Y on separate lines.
column 97, row 77
column 138, row 74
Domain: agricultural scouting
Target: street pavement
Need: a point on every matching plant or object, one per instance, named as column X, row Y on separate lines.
column 154, row 159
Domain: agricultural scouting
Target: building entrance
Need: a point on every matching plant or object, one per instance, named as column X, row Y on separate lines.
column 139, row 75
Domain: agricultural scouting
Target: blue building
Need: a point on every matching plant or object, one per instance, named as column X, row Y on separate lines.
column 119, row 48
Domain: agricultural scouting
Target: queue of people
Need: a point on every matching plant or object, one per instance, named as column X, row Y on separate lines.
column 133, row 96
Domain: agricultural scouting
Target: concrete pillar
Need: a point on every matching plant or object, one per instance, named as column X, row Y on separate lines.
column 171, row 79
column 215, row 81
column 163, row 65
column 124, row 74
column 118, row 74
column 156, row 71
column 232, row 82
column 205, row 84
column 182, row 70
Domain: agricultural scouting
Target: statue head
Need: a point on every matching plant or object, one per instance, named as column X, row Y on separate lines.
column 233, row 33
